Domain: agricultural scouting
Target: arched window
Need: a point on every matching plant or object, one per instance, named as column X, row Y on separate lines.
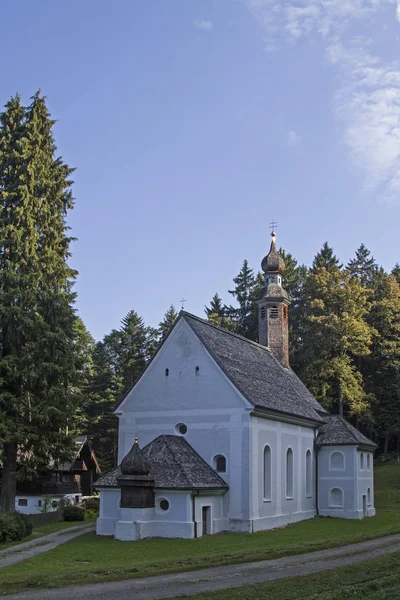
column 369, row 498
column 362, row 460
column 289, row 473
column 336, row 498
column 263, row 312
column 166, row 372
column 219, row 463
column 308, row 474
column 267, row 473
column 284, row 312
column 336, row 461
column 273, row 312
column 368, row 461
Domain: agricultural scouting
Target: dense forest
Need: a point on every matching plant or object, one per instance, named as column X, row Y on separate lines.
column 56, row 381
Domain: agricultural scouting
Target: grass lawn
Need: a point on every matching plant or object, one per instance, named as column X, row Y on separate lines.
column 89, row 558
column 42, row 530
column 376, row 579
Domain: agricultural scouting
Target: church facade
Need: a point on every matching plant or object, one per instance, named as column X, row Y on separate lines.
column 219, row 434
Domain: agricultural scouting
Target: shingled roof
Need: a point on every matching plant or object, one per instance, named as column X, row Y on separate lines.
column 255, row 372
column 338, row 432
column 174, row 466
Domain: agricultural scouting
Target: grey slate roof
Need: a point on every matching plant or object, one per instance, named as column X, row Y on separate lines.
column 338, row 432
column 255, row 372
column 174, row 465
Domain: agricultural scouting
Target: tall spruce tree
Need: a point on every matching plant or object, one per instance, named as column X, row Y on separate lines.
column 244, row 293
column 326, row 258
column 382, row 367
column 168, row 321
column 104, row 392
column 363, row 266
column 335, row 332
column 216, row 307
column 396, row 272
column 39, row 366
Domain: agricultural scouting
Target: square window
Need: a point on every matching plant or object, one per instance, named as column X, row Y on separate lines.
column 23, row 502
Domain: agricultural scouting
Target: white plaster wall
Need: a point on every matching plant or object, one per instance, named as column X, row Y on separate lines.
column 218, row 522
column 280, row 510
column 110, row 511
column 352, row 480
column 33, row 507
column 216, row 415
column 365, row 480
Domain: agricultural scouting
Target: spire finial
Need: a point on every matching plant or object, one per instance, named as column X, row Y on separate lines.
column 273, row 225
column 136, row 439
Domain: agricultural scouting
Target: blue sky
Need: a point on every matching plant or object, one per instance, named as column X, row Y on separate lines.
column 193, row 124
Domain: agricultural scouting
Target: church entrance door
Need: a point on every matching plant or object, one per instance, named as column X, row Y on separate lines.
column 206, row 513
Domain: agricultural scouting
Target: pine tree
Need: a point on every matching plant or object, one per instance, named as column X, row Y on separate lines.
column 216, row 307
column 382, row 368
column 244, row 293
column 134, row 341
column 326, row 258
column 294, row 283
column 168, row 321
column 363, row 266
column 396, row 272
column 39, row 364
column 105, row 390
column 335, row 332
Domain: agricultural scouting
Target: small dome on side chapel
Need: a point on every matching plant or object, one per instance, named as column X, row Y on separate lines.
column 273, row 262
column 135, row 462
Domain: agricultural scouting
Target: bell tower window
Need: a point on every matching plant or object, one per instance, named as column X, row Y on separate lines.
column 285, row 312
column 263, row 312
column 273, row 312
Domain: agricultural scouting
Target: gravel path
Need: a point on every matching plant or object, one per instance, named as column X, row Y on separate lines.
column 15, row 554
column 195, row 582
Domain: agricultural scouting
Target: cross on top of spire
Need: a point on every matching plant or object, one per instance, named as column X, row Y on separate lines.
column 273, row 225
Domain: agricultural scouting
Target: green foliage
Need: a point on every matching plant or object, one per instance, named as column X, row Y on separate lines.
column 14, row 527
column 245, row 292
column 363, row 266
column 168, row 321
column 74, row 513
column 40, row 355
column 91, row 503
column 326, row 258
column 114, row 560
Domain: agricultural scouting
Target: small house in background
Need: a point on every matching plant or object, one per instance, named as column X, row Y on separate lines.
column 70, row 480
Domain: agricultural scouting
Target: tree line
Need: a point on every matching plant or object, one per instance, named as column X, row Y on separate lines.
column 56, row 381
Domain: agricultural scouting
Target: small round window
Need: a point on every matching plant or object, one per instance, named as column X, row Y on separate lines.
column 164, row 504
column 181, row 428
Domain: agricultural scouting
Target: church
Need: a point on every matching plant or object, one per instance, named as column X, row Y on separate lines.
column 219, row 434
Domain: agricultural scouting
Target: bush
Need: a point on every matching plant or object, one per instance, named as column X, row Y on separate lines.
column 14, row 527
column 74, row 513
column 28, row 524
column 91, row 503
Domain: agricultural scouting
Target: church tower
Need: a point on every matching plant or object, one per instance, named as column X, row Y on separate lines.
column 273, row 307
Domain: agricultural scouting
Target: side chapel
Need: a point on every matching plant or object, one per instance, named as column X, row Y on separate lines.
column 230, row 438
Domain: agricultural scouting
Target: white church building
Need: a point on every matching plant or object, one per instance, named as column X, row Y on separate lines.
column 219, row 434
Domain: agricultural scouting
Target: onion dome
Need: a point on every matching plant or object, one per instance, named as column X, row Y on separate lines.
column 273, row 262
column 135, row 462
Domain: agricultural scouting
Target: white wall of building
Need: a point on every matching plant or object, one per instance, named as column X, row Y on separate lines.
column 216, row 415
column 342, row 482
column 282, row 506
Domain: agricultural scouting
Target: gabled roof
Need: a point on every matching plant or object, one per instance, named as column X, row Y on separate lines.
column 255, row 372
column 338, row 432
column 174, row 465
column 80, row 442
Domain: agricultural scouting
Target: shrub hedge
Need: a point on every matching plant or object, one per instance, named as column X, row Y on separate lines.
column 74, row 513
column 14, row 527
column 91, row 503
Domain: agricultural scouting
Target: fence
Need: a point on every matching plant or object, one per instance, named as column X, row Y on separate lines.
column 46, row 518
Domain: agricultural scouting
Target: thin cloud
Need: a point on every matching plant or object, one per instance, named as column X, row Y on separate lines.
column 293, row 138
column 367, row 100
column 203, row 25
